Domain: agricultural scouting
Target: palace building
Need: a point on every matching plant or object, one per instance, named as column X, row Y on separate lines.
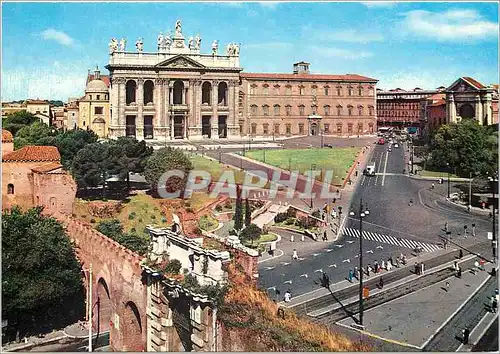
column 177, row 92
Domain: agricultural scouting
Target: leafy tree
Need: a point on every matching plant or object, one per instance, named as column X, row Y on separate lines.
column 251, row 233
column 41, row 274
column 173, row 266
column 164, row 160
column 127, row 155
column 134, row 242
column 466, row 146
column 72, row 141
column 248, row 213
column 89, row 166
column 111, row 228
column 15, row 121
column 34, row 134
column 238, row 210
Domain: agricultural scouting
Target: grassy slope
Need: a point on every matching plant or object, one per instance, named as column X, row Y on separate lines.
column 214, row 168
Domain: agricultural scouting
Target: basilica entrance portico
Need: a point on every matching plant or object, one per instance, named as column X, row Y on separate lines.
column 175, row 92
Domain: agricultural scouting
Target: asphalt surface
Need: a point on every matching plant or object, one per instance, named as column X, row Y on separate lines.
column 489, row 342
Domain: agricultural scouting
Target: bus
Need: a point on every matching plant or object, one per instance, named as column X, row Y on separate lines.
column 384, row 130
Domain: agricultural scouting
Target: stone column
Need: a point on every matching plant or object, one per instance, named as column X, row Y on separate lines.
column 139, row 121
column 121, row 106
column 478, row 109
column 170, row 111
column 487, row 108
column 451, row 111
column 232, row 126
column 215, row 112
column 113, row 95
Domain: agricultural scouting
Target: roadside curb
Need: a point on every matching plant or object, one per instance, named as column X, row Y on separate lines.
column 30, row 345
column 428, row 178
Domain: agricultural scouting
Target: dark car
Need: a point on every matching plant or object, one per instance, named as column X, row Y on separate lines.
column 328, row 146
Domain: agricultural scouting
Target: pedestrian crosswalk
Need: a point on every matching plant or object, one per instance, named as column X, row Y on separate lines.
column 392, row 240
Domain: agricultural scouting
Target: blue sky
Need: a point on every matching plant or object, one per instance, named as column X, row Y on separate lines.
column 48, row 47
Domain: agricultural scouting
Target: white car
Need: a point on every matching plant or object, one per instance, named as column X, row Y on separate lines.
column 396, row 145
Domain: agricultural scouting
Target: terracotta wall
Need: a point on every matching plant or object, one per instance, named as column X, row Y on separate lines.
column 19, row 174
column 56, row 192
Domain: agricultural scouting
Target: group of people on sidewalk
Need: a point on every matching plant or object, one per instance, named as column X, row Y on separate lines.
column 377, row 268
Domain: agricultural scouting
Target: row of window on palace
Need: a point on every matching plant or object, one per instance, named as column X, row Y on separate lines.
column 327, row 128
column 398, row 113
column 383, row 105
column 98, row 97
column 327, row 90
column 327, row 111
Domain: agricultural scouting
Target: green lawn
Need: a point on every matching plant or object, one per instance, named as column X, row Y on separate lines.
column 215, row 168
column 436, row 174
column 337, row 159
column 208, row 223
column 260, row 242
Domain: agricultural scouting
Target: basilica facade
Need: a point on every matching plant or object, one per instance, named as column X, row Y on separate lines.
column 177, row 92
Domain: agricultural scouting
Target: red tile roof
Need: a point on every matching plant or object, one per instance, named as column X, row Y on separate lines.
column 309, row 77
column 7, row 136
column 32, row 153
column 47, row 167
column 37, row 101
column 474, row 82
column 104, row 78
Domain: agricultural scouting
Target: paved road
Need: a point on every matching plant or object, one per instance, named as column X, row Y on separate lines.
column 489, row 342
column 449, row 338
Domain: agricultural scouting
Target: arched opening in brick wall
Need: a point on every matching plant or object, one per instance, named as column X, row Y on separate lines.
column 132, row 329
column 104, row 306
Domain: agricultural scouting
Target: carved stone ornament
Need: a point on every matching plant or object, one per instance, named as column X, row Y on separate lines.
column 118, row 80
column 140, row 81
column 180, row 63
column 461, row 87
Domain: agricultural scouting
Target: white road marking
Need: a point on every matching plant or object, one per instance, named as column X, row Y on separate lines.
column 315, row 254
column 328, row 250
column 304, row 275
column 385, row 168
column 301, row 259
column 369, row 251
column 339, row 246
column 380, row 247
column 288, row 281
column 272, row 287
column 346, row 260
column 285, row 263
column 356, row 256
column 332, row 265
column 318, row 270
column 349, row 242
column 269, row 268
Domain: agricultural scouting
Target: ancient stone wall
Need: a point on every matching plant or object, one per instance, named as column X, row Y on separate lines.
column 55, row 191
column 19, row 175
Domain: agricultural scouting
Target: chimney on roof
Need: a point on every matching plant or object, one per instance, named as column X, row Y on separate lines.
column 301, row 68
column 96, row 73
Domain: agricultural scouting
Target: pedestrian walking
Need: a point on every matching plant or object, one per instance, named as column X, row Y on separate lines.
column 381, row 283
column 447, row 286
column 397, row 262
column 295, row 255
column 326, row 280
column 474, row 230
column 303, row 237
column 375, row 267
column 466, row 333
column 325, row 238
column 460, row 254
column 292, row 238
column 368, row 269
column 411, row 202
column 383, row 265
column 288, row 296
column 422, row 268
column 404, row 260
column 446, row 226
column 389, row 265
column 494, row 305
column 455, row 265
column 350, row 275
column 432, row 186
column 481, row 264
column 356, row 273
column 459, row 272
column 416, row 268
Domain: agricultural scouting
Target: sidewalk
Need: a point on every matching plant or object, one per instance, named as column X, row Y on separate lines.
column 477, row 332
column 413, row 320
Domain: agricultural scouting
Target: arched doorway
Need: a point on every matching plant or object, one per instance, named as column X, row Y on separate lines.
column 467, row 111
column 130, row 89
column 222, row 94
column 148, row 91
column 314, row 129
column 104, row 306
column 178, row 92
column 98, row 126
column 206, row 93
column 133, row 328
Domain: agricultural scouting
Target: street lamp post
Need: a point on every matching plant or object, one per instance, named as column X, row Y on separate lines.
column 313, row 167
column 89, row 305
column 470, row 190
column 448, row 168
column 362, row 214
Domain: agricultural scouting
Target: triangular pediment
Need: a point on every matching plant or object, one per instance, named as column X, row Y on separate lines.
column 461, row 85
column 181, row 62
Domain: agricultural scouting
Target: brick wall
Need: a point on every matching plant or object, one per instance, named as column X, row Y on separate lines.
column 19, row 174
column 55, row 191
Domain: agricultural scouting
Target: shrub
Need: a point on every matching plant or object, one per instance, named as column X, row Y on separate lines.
column 316, row 214
column 84, row 216
column 280, row 217
column 163, row 220
column 140, row 220
column 190, row 210
column 131, row 216
column 187, row 204
column 133, row 230
column 218, row 208
column 291, row 212
column 153, row 217
column 173, row 267
column 251, row 233
column 92, row 221
column 228, row 204
column 290, row 221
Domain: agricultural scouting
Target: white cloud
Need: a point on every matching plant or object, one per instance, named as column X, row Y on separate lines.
column 330, row 52
column 44, row 83
column 372, row 4
column 269, row 4
column 349, row 35
column 451, row 25
column 58, row 36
